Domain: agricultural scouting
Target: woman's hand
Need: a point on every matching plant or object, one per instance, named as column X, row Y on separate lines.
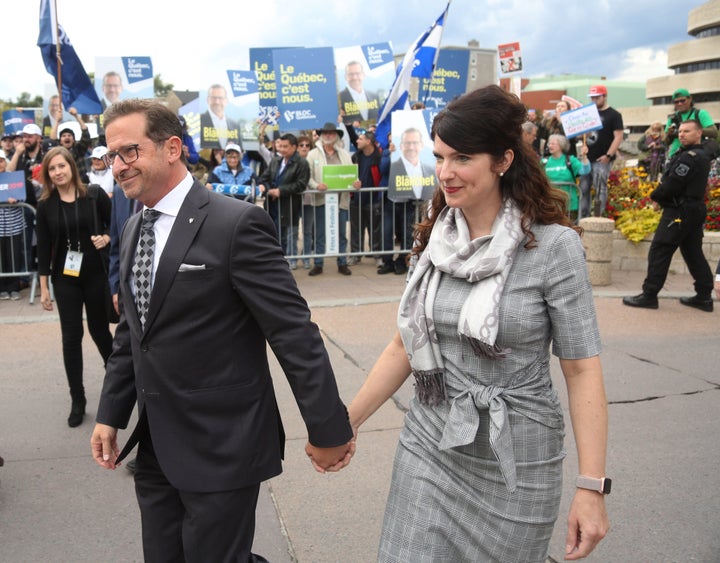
column 45, row 299
column 587, row 524
column 100, row 241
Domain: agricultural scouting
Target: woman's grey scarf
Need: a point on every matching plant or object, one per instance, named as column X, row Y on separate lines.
column 483, row 262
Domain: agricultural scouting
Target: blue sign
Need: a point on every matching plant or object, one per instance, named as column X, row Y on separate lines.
column 305, row 86
column 448, row 81
column 378, row 54
column 14, row 120
column 12, row 185
column 242, row 82
column 261, row 61
column 137, row 69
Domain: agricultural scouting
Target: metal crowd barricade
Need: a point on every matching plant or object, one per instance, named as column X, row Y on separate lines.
column 390, row 226
column 17, row 257
column 568, row 188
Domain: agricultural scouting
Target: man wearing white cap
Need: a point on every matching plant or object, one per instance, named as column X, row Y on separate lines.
column 27, row 157
column 603, row 146
column 101, row 174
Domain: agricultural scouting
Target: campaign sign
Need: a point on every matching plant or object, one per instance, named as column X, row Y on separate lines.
column 119, row 78
column 12, row 185
column 245, row 98
column 14, row 120
column 510, row 57
column 261, row 61
column 448, row 81
column 191, row 112
column 339, row 176
column 580, row 121
column 364, row 74
column 412, row 169
column 305, row 87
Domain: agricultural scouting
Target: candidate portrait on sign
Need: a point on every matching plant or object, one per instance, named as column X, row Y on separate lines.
column 216, row 128
column 411, row 178
column 357, row 103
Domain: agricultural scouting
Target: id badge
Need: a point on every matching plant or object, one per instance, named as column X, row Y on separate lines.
column 73, row 260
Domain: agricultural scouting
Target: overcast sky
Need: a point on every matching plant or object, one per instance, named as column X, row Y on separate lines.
column 193, row 44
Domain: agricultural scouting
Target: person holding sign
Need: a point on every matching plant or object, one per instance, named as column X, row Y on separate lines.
column 73, row 221
column 499, row 282
column 328, row 151
column 603, row 146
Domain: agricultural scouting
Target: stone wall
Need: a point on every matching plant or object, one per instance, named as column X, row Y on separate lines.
column 628, row 255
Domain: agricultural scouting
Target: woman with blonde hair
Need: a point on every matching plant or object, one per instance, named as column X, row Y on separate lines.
column 73, row 221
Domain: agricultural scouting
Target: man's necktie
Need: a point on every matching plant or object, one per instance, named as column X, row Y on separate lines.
column 142, row 269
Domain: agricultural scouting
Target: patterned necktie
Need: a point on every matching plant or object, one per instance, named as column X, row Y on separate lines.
column 142, row 269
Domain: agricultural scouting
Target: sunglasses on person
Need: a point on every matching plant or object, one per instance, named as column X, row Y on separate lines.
column 680, row 100
column 304, row 145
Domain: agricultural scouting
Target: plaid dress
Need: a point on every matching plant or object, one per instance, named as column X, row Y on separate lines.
column 458, row 504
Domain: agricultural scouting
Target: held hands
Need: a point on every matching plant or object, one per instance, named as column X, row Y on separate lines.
column 330, row 459
column 587, row 524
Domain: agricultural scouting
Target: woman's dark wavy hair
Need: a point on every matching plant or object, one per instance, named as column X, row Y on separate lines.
column 489, row 120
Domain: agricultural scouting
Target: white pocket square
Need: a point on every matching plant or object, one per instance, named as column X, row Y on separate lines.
column 190, row 267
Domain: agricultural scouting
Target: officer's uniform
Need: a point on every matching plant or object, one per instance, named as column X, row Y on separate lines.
column 681, row 194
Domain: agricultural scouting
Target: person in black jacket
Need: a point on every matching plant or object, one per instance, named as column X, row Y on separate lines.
column 72, row 238
column 682, row 197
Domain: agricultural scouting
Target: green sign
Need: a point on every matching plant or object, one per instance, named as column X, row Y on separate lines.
column 339, row 176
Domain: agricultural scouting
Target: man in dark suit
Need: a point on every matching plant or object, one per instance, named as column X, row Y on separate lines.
column 209, row 429
column 216, row 128
column 356, row 103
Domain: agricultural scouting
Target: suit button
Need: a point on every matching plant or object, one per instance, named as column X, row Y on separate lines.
column 144, row 348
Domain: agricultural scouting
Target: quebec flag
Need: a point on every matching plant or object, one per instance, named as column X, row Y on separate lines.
column 419, row 61
column 77, row 90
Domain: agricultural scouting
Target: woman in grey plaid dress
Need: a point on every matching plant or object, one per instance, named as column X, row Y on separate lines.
column 499, row 277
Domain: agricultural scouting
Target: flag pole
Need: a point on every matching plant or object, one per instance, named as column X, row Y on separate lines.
column 57, row 51
column 437, row 54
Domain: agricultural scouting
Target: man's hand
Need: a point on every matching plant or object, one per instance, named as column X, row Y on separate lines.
column 274, row 193
column 116, row 304
column 103, row 444
column 330, row 459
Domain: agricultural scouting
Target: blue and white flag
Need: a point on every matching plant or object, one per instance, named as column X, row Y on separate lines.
column 419, row 61
column 77, row 90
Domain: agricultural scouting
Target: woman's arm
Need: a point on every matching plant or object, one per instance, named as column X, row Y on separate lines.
column 385, row 378
column 587, row 522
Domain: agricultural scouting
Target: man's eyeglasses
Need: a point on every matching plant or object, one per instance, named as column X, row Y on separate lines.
column 304, row 145
column 127, row 154
column 680, row 100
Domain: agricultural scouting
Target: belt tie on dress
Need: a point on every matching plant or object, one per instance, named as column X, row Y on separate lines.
column 463, row 422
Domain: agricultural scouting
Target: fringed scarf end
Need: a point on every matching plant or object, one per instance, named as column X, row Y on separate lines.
column 430, row 387
column 485, row 350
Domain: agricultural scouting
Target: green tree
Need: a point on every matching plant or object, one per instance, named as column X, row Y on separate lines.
column 161, row 89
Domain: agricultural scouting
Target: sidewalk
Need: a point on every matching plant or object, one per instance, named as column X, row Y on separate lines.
column 662, row 383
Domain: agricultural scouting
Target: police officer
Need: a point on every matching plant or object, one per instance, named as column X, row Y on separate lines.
column 681, row 194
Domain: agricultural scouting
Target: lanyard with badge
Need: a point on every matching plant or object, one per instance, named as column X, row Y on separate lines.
column 73, row 258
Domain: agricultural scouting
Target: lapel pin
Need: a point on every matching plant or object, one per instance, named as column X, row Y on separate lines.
column 191, row 219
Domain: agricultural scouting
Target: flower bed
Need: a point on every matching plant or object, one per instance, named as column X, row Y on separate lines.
column 629, row 203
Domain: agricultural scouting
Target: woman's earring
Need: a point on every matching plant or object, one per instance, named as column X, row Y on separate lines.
column 502, row 174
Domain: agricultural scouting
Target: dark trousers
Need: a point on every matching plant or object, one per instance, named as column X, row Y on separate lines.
column 365, row 219
column 70, row 296
column 12, row 256
column 181, row 526
column 398, row 224
column 679, row 228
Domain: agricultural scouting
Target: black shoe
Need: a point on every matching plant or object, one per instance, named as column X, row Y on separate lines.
column 643, row 300
column 77, row 413
column 344, row 270
column 130, row 465
column 695, row 301
column 316, row 271
column 386, row 268
column 400, row 268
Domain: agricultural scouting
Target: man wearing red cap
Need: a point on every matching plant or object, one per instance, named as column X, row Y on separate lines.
column 685, row 110
column 603, row 146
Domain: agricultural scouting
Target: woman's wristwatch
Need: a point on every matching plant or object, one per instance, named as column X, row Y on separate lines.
column 601, row 485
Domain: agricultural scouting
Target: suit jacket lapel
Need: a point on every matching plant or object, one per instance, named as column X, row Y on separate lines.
column 127, row 254
column 187, row 223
